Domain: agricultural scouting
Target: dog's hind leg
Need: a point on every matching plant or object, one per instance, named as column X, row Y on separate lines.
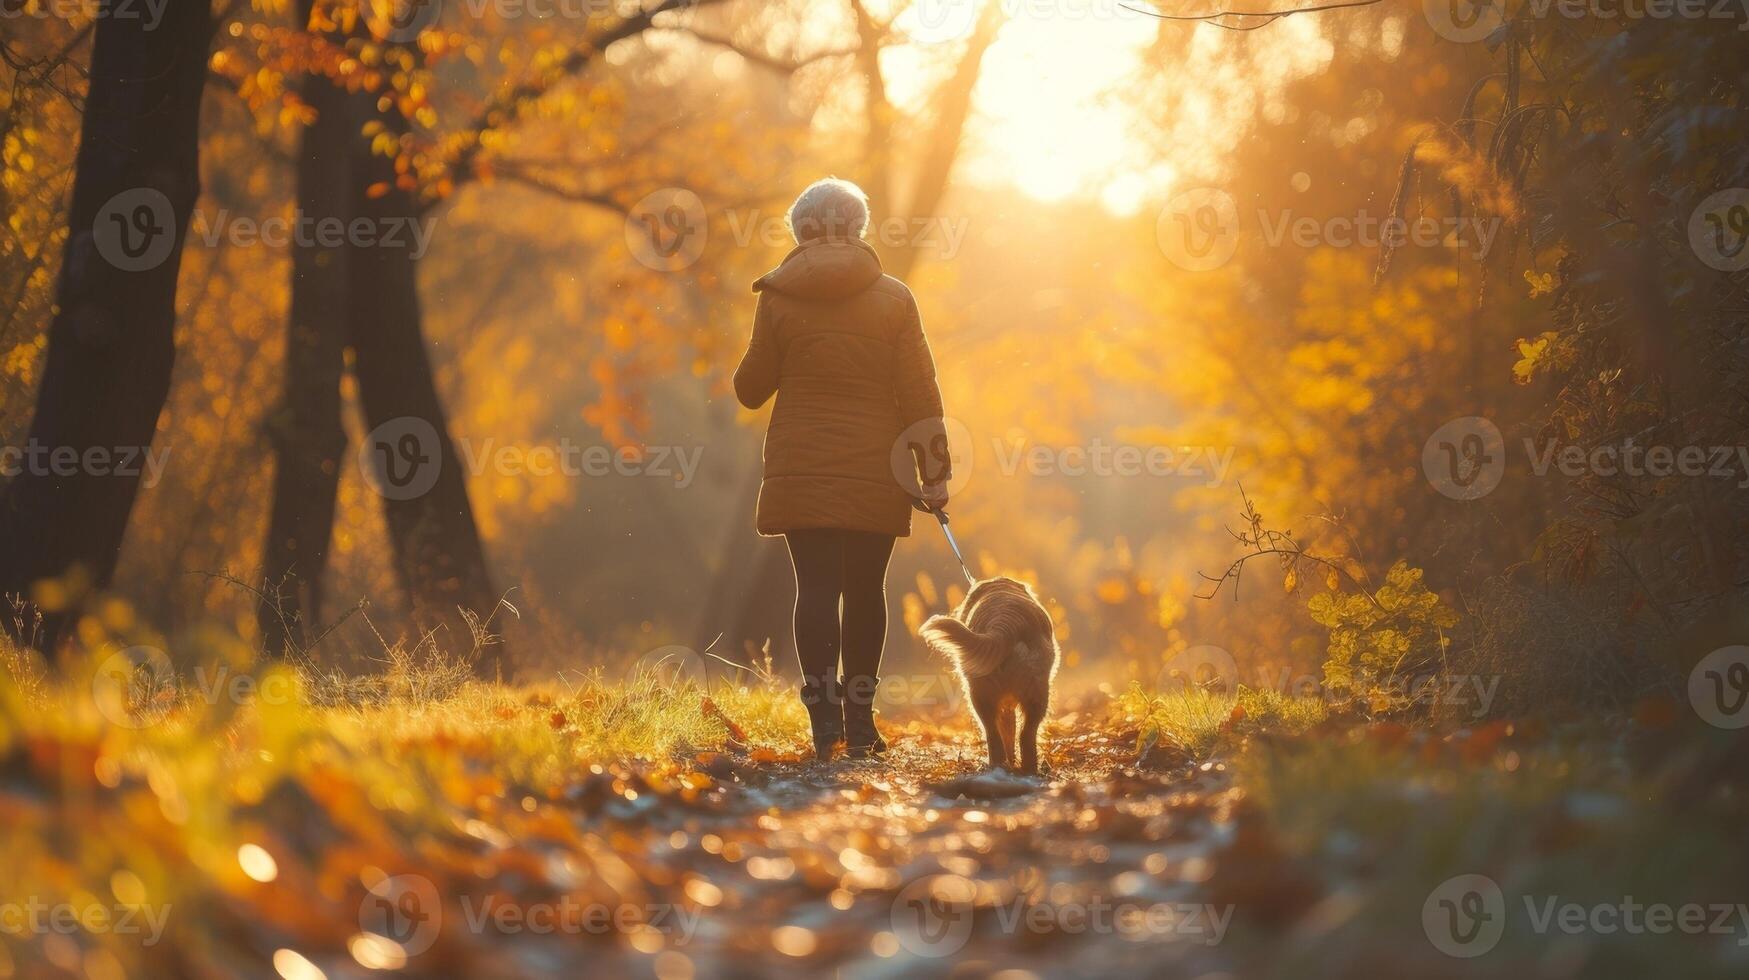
column 1028, row 750
column 1005, row 728
column 988, row 707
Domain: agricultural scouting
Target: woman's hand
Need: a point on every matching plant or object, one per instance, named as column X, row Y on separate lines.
column 933, row 497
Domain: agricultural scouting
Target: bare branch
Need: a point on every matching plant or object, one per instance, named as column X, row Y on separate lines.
column 1261, row 541
column 1263, row 17
column 503, row 107
column 782, row 66
column 528, row 178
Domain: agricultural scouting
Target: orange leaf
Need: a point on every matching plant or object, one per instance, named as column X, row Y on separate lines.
column 712, row 711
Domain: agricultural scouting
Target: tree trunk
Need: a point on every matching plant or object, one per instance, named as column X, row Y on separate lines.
column 112, row 344
column 309, row 442
column 436, row 543
column 364, row 295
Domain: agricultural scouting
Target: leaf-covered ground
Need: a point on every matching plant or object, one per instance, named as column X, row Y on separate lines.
column 473, row 834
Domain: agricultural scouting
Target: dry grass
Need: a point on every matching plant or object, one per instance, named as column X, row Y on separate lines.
column 141, row 794
column 1200, row 720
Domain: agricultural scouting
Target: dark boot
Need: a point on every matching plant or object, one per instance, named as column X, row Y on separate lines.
column 861, row 737
column 825, row 714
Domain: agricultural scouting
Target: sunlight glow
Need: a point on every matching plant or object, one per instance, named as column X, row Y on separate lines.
column 257, row 863
column 1051, row 115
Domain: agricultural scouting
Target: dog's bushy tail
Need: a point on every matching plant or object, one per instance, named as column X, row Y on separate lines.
column 976, row 654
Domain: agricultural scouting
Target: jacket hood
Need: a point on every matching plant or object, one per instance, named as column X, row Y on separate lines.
column 824, row 268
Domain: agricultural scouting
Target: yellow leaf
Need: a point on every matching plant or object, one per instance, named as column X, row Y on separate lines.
column 1539, row 285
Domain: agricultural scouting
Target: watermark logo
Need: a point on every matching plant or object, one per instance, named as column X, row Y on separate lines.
column 138, row 687
column 1634, row 460
column 149, row 12
column 136, row 229
column 134, row 688
column 402, row 21
column 1100, row 458
column 568, row 458
column 405, row 233
column 1718, row 230
column 931, row 22
column 569, row 917
column 1212, row 668
column 1463, row 21
column 1465, row 458
column 401, row 458
column 939, row 21
column 671, row 666
column 1466, row 21
column 932, row 917
column 931, row 452
column 924, row 689
column 1718, row 688
column 129, row 462
column 404, row 908
column 1199, row 667
column 667, row 229
column 34, row 916
column 1198, row 229
column 936, row 235
column 1465, row 916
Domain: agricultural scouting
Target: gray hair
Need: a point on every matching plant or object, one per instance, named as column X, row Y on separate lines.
column 829, row 208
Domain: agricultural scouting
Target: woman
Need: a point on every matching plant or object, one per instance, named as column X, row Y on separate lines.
column 842, row 347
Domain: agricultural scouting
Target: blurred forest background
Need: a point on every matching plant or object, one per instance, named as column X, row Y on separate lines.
column 1031, row 157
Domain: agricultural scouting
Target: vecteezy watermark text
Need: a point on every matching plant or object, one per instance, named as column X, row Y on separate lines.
column 668, row 229
column 403, row 232
column 944, row 451
column 569, row 917
column 1465, row 21
column 932, row 917
column 1465, row 916
column 1101, row 458
column 573, row 459
column 136, row 230
column 1199, row 230
column 149, row 12
column 1209, row 667
column 409, row 910
column 138, row 687
column 944, row 21
column 35, row 917
column 1466, row 458
column 402, row 458
column 142, row 462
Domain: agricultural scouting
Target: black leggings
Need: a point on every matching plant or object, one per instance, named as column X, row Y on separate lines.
column 832, row 565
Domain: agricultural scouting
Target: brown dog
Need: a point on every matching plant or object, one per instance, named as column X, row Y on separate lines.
column 1002, row 645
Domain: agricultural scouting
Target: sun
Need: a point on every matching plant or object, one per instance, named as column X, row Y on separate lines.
column 1050, row 116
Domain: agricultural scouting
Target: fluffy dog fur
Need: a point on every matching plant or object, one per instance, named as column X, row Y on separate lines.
column 1004, row 649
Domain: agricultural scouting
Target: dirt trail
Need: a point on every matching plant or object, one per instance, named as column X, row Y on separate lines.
column 917, row 865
